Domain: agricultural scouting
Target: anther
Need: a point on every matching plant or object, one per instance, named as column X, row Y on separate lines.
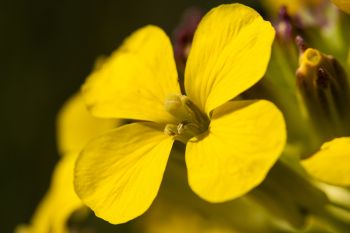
column 190, row 120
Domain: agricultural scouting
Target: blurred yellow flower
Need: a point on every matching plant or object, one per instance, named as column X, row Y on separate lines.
column 293, row 6
column 231, row 145
column 59, row 203
column 343, row 5
column 75, row 127
column 331, row 164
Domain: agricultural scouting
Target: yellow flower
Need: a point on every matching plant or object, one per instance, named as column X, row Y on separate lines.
column 343, row 5
column 331, row 164
column 75, row 127
column 231, row 145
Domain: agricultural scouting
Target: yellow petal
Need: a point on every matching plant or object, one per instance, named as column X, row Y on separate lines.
column 244, row 140
column 331, row 163
column 343, row 5
column 134, row 82
column 59, row 203
column 230, row 52
column 76, row 126
column 118, row 175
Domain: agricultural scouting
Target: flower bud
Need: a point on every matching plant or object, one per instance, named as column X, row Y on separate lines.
column 287, row 26
column 324, row 90
column 183, row 35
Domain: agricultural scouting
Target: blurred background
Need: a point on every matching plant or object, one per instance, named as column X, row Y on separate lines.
column 47, row 49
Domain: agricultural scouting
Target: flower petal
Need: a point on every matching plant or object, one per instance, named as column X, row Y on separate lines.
column 230, row 52
column 59, row 203
column 244, row 140
column 134, row 82
column 118, row 174
column 76, row 126
column 331, row 164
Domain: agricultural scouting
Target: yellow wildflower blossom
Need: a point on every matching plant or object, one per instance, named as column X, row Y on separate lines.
column 331, row 164
column 75, row 127
column 230, row 145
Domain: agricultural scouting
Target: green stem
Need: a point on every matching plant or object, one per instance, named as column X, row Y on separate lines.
column 340, row 206
column 335, row 223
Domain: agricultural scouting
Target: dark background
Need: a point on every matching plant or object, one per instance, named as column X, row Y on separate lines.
column 47, row 48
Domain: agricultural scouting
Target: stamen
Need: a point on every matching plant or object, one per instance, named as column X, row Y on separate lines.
column 191, row 121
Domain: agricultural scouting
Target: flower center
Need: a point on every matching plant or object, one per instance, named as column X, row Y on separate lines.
column 191, row 120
